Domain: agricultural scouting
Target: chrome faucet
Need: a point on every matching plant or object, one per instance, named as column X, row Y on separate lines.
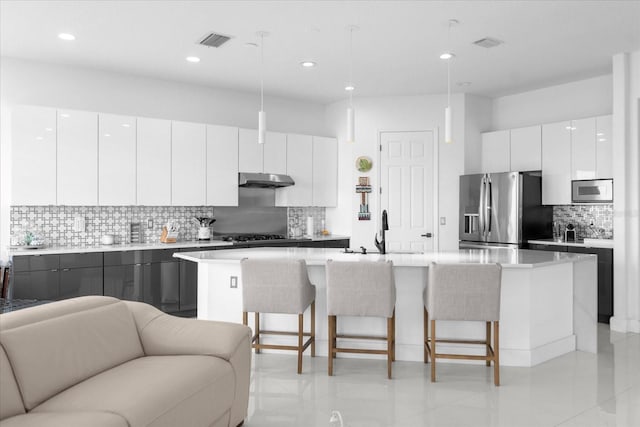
column 382, row 244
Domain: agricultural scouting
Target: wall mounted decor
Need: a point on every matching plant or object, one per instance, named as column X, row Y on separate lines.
column 364, row 164
column 363, row 188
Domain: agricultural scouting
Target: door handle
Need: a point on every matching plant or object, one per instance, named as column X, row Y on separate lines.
column 426, row 235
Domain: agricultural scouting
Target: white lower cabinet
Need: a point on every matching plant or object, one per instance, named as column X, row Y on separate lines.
column 526, row 148
column 604, row 148
column 116, row 160
column 496, row 151
column 153, row 180
column 77, row 158
column 300, row 168
column 222, row 166
column 325, row 171
column 33, row 151
column 556, row 163
column 188, row 164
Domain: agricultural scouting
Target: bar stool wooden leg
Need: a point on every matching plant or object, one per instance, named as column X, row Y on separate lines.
column 389, row 345
column 257, row 330
column 300, row 336
column 331, row 344
column 425, row 330
column 313, row 329
column 335, row 335
column 488, row 341
column 433, row 351
column 245, row 318
column 393, row 335
column 496, row 352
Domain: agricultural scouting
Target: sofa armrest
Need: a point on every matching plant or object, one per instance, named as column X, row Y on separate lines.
column 162, row 334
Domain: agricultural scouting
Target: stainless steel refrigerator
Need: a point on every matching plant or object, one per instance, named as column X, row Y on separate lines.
column 503, row 209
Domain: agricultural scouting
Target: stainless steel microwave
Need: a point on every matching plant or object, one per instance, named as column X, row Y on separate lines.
column 592, row 191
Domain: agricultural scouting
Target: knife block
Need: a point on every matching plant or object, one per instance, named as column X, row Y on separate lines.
column 168, row 236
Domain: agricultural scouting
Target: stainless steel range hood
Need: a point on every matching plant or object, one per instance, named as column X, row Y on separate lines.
column 264, row 180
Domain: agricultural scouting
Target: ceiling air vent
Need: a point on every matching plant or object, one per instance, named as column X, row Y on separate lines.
column 214, row 40
column 488, row 42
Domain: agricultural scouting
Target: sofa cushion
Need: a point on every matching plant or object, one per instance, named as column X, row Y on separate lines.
column 66, row 419
column 72, row 343
column 155, row 391
column 10, row 399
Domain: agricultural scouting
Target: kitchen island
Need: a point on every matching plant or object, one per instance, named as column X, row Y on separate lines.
column 548, row 299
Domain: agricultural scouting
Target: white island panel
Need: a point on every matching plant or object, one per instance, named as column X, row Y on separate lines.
column 539, row 291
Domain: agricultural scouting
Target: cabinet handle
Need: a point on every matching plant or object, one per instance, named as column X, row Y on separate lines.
column 54, row 270
column 138, row 264
column 148, row 263
column 66, row 269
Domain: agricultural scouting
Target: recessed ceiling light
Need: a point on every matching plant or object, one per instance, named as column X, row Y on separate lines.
column 447, row 55
column 308, row 64
column 193, row 59
column 599, row 134
column 39, row 138
column 66, row 36
column 251, row 45
column 570, row 128
column 126, row 125
column 602, row 139
column 64, row 115
column 107, row 134
column 349, row 88
column 463, row 84
column 49, row 129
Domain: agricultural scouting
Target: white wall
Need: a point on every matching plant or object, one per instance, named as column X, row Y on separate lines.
column 35, row 83
column 477, row 120
column 626, row 205
column 583, row 98
column 398, row 113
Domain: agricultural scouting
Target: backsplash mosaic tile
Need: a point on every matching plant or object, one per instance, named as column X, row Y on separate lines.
column 297, row 220
column 55, row 224
column 581, row 217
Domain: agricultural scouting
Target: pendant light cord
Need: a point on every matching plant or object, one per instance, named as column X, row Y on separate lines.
column 351, row 65
column 262, row 72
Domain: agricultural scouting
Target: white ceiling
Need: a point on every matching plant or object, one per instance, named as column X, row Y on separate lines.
column 396, row 48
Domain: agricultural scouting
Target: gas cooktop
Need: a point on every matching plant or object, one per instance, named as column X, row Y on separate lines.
column 251, row 237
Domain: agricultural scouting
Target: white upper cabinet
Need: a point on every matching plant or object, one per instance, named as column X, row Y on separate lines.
column 556, row 163
column 77, row 157
column 250, row 153
column 526, row 148
column 33, row 150
column 604, row 148
column 496, row 151
column 222, row 165
column 153, row 162
column 299, row 167
column 188, row 164
column 275, row 153
column 116, row 160
column 325, row 171
column 583, row 148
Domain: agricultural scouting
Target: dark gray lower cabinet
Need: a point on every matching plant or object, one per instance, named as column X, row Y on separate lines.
column 605, row 274
column 54, row 277
column 124, row 281
column 188, row 286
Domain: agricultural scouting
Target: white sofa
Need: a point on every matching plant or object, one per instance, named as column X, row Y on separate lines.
column 98, row 361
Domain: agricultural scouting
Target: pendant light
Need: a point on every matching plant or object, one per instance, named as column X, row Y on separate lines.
column 262, row 117
column 448, row 56
column 351, row 126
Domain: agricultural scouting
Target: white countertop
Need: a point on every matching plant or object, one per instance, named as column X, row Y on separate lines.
column 509, row 258
column 57, row 250
column 586, row 243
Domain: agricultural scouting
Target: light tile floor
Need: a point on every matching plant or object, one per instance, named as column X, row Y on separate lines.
column 577, row 389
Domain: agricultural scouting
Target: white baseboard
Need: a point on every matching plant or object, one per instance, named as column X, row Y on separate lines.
column 624, row 325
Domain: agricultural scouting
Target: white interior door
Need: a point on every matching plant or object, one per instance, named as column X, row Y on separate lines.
column 406, row 182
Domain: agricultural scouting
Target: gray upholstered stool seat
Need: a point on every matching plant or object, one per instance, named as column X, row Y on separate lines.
column 467, row 292
column 278, row 286
column 361, row 289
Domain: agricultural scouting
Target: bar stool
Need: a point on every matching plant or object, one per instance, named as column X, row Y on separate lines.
column 467, row 292
column 363, row 288
column 278, row 286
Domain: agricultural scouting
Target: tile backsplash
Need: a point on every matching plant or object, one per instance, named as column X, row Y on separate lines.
column 55, row 224
column 581, row 217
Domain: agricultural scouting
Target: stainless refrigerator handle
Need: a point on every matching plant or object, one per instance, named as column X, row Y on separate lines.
column 481, row 208
column 488, row 203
